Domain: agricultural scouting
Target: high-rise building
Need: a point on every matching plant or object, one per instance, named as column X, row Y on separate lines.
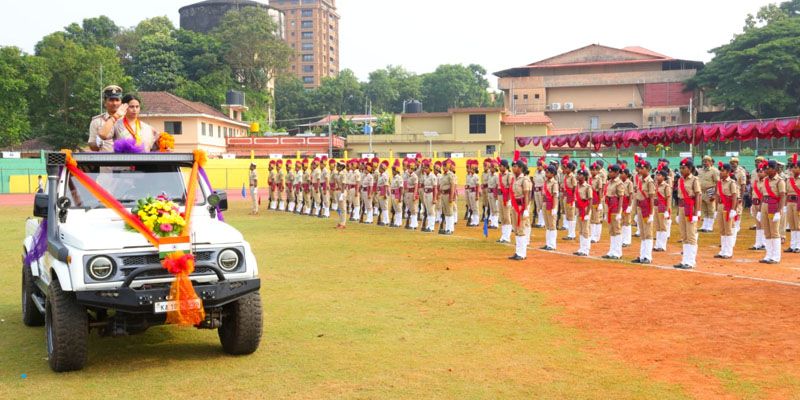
column 312, row 30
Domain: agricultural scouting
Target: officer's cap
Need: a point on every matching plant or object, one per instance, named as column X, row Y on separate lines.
column 112, row 92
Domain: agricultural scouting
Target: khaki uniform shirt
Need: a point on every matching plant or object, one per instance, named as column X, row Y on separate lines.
column 539, row 178
column 708, row 178
column 692, row 184
column 412, row 181
column 105, row 145
column 253, row 178
column 648, row 187
column 384, row 181
column 521, row 185
column 316, row 176
column 366, row 181
column 429, row 181
column 730, row 188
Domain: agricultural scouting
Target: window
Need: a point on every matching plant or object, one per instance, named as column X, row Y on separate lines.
column 307, row 35
column 525, row 97
column 293, row 24
column 663, row 119
column 219, row 131
column 674, row 119
column 308, row 57
column 650, row 119
column 477, row 123
column 594, row 123
column 173, row 127
column 308, row 79
column 306, row 25
column 536, row 96
column 308, row 46
column 515, row 97
column 490, row 149
column 203, row 128
column 308, row 68
column 309, row 1
column 307, row 12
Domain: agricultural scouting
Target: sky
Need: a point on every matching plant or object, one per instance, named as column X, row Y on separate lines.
column 422, row 34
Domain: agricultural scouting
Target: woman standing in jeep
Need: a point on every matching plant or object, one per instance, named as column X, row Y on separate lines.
column 131, row 128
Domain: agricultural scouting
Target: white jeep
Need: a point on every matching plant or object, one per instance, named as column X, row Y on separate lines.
column 92, row 273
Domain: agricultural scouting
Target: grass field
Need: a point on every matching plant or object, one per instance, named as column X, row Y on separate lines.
column 380, row 313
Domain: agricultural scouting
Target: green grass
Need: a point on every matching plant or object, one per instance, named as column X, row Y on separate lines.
column 366, row 313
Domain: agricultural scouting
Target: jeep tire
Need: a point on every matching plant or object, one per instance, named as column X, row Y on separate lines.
column 67, row 330
column 240, row 332
column 30, row 313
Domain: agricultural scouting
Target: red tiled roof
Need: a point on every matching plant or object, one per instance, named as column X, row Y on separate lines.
column 642, row 50
column 165, row 103
column 527, row 119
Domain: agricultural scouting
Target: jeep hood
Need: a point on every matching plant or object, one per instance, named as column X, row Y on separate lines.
column 112, row 235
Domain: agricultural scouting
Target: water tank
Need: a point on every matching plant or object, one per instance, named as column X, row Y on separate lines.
column 414, row 107
column 234, row 98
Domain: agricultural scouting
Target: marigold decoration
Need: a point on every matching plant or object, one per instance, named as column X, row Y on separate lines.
column 166, row 142
column 169, row 235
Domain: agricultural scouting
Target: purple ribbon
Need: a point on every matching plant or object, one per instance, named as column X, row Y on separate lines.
column 208, row 183
column 39, row 244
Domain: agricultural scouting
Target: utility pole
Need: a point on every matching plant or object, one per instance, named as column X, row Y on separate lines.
column 101, row 88
column 691, row 122
column 330, row 137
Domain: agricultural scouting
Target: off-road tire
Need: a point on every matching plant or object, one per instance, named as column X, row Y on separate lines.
column 67, row 330
column 30, row 314
column 240, row 332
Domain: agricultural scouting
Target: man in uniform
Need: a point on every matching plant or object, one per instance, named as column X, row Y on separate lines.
column 739, row 175
column 290, row 204
column 397, row 195
column 316, row 187
column 353, row 184
column 472, row 188
column 773, row 190
column 411, row 194
column 447, row 188
column 598, row 184
column 375, row 177
column 645, row 200
column 307, row 198
column 299, row 192
column 759, row 175
column 538, row 198
column 520, row 217
column 614, row 192
column 271, row 184
column 454, row 202
column 504, row 187
column 583, row 201
column 383, row 193
column 690, row 196
column 663, row 202
column 493, row 196
column 484, row 190
column 728, row 198
column 279, row 182
column 568, row 187
column 339, row 192
column 253, row 178
column 102, row 125
column 367, row 185
column 627, row 206
column 429, row 186
column 671, row 182
column 327, row 186
column 709, row 176
column 793, row 205
column 334, row 188
column 550, row 197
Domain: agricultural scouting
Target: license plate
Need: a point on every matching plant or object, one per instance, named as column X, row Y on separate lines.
column 161, row 307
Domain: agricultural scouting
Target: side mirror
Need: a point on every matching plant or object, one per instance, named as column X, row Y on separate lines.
column 223, row 201
column 40, row 204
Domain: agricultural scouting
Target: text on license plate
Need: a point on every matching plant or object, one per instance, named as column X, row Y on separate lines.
column 161, row 307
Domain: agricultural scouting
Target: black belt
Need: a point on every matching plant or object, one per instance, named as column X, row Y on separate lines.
column 792, row 198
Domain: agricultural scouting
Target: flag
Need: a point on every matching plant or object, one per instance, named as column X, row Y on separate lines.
column 259, row 200
column 244, row 192
column 486, row 227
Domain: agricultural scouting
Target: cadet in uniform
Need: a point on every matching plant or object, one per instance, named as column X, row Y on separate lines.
column 327, row 185
column 254, row 188
column 374, row 200
column 644, row 198
column 773, row 190
column 504, row 187
column 411, row 195
column 689, row 197
column 759, row 174
column 306, row 188
column 472, row 190
column 709, row 176
column 663, row 201
column 728, row 197
column 290, row 205
column 367, row 186
column 339, row 182
column 521, row 187
column 353, row 181
column 613, row 193
column 550, row 197
column 316, row 183
column 598, row 184
column 271, row 178
column 383, row 187
column 447, row 187
column 568, row 188
column 279, row 181
column 793, row 205
column 627, row 206
column 299, row 193
column 538, row 199
column 397, row 195
column 583, row 202
column 494, row 195
column 740, row 176
column 429, row 186
column 484, row 191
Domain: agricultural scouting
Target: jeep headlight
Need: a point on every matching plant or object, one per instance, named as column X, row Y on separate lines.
column 228, row 260
column 100, row 268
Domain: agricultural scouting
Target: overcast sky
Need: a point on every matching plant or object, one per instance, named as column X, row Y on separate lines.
column 421, row 34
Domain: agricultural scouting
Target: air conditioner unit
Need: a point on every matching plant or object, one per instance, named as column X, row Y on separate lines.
column 569, row 106
column 555, row 106
column 632, row 105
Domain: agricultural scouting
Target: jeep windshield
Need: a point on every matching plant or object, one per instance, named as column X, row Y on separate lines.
column 130, row 183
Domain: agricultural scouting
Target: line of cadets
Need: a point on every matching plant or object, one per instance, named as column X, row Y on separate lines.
column 505, row 195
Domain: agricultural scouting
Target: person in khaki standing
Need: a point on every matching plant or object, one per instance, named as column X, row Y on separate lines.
column 397, row 195
column 290, row 204
column 253, row 177
column 429, row 185
column 271, row 185
column 568, row 187
column 793, row 205
column 538, row 179
column 375, row 177
column 334, row 189
column 627, row 206
column 645, row 199
column 280, row 185
column 484, row 190
column 447, row 189
column 740, row 176
column 521, row 188
column 340, row 182
column 383, row 193
column 353, row 180
column 583, row 202
column 367, row 185
column 454, row 201
column 504, row 188
column 709, row 176
column 101, row 126
column 494, row 196
column 472, row 188
column 315, row 181
column 663, row 211
column 307, row 195
column 411, row 189
column 299, row 192
column 728, row 198
column 614, row 192
column 550, row 195
column 327, row 185
column 773, row 190
column 689, row 199
column 598, row 183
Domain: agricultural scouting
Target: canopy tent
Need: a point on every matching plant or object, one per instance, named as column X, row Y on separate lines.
column 694, row 133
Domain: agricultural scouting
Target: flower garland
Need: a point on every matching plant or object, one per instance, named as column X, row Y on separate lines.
column 166, row 142
column 160, row 215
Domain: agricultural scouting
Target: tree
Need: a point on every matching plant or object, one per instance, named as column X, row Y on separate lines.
column 99, row 31
column 157, row 65
column 73, row 91
column 293, row 101
column 455, row 86
column 127, row 41
column 771, row 13
column 389, row 87
column 22, row 78
column 341, row 94
column 251, row 48
column 759, row 70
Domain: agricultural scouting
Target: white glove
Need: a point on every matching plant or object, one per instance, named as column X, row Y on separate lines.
column 650, row 219
column 586, row 217
column 618, row 217
column 628, row 210
column 341, row 197
column 508, row 203
column 695, row 218
column 600, row 207
column 758, row 216
column 554, row 212
column 732, row 214
column 526, row 213
column 666, row 214
column 776, row 217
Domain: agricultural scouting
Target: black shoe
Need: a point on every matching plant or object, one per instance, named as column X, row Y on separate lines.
column 516, row 258
column 789, row 251
column 568, row 238
column 594, row 241
column 503, row 241
column 763, row 261
column 626, row 245
column 579, row 254
column 796, row 251
column 646, row 261
column 752, row 228
column 637, row 235
column 441, row 231
column 659, row 250
column 538, row 226
column 717, row 256
column 772, row 262
column 637, row 260
column 758, row 248
column 683, row 266
column 725, row 257
column 448, row 232
column 607, row 257
column 548, row 248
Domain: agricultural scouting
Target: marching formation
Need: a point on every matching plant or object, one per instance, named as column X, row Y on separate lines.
column 580, row 199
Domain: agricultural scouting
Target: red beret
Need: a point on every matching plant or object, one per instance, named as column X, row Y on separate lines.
column 397, row 162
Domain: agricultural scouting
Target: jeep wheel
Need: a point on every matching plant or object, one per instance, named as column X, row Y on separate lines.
column 67, row 330
column 30, row 313
column 240, row 332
